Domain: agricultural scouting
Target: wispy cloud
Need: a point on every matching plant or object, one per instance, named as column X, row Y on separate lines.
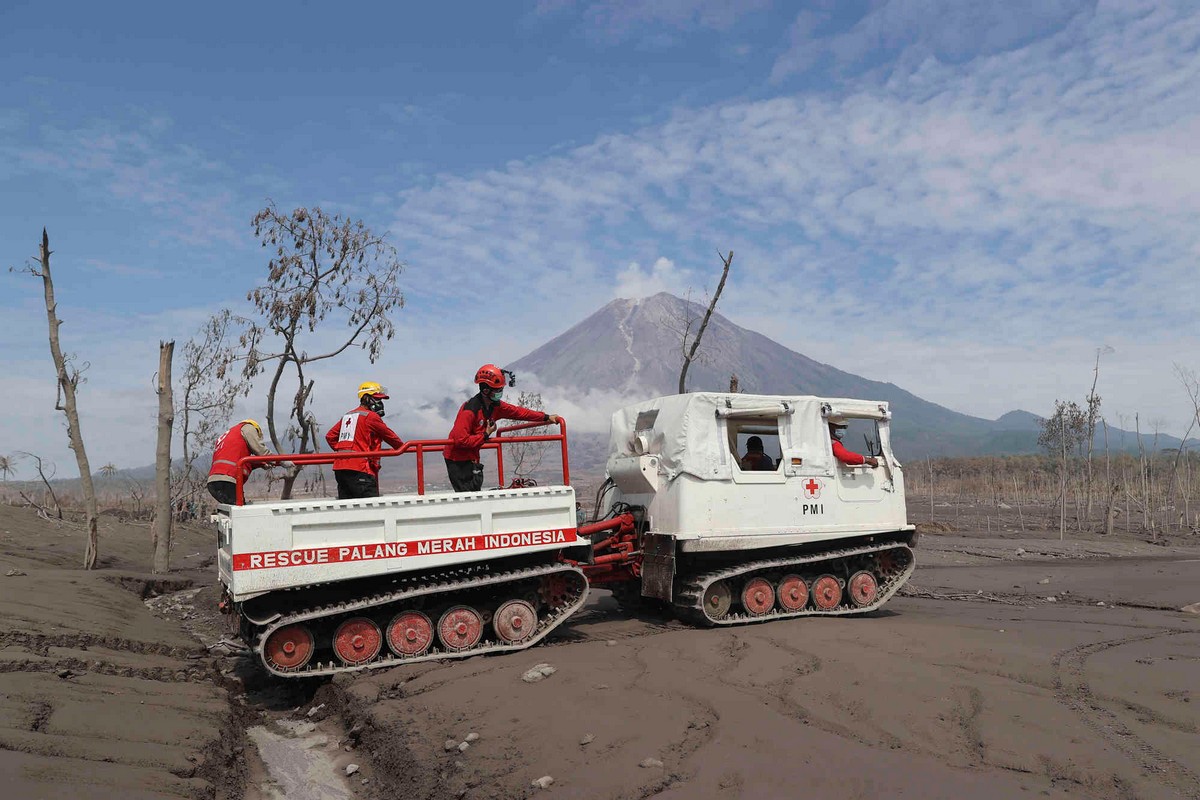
column 612, row 21
column 139, row 164
column 1040, row 192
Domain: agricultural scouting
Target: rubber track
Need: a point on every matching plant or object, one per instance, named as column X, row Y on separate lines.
column 448, row 582
column 690, row 600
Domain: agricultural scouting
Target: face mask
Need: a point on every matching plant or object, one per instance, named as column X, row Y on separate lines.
column 497, row 395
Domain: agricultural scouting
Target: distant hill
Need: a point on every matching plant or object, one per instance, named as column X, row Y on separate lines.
column 629, row 350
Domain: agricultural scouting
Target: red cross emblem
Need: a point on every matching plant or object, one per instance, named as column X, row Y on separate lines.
column 812, row 489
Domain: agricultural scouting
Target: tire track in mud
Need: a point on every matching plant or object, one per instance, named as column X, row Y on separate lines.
column 1072, row 690
column 40, row 644
column 701, row 731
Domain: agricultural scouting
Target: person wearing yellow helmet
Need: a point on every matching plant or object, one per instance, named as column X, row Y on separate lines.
column 243, row 439
column 364, row 430
column 476, row 422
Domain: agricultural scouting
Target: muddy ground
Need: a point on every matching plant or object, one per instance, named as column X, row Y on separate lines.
column 1012, row 665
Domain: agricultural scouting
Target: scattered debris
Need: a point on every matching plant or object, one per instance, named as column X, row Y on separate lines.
column 351, row 769
column 587, row 739
column 1051, row 599
column 472, row 737
column 1193, row 608
column 14, row 573
column 650, row 763
column 538, row 672
column 542, row 782
column 464, row 747
column 315, row 709
column 1044, row 581
column 450, row 745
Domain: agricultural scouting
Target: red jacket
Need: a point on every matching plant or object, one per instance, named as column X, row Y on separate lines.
column 470, row 426
column 362, row 430
column 845, row 456
column 230, row 448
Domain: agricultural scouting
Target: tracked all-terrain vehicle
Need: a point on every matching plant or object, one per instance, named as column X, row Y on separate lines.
column 321, row 586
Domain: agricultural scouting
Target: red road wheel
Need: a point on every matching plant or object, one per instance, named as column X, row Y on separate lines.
column 357, row 641
column 289, row 648
column 555, row 590
column 460, row 628
column 792, row 593
column 514, row 621
column 888, row 562
column 827, row 592
column 758, row 596
column 717, row 600
column 409, row 633
column 863, row 588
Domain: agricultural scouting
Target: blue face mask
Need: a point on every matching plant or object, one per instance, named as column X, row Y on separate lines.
column 497, row 395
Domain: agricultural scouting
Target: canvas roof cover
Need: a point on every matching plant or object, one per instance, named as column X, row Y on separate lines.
column 683, row 429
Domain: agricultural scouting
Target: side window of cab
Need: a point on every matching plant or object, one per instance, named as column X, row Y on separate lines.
column 755, row 444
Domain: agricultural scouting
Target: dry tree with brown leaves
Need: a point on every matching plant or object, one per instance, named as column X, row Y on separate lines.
column 324, row 269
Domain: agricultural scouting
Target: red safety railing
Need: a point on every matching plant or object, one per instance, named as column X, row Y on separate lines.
column 420, row 447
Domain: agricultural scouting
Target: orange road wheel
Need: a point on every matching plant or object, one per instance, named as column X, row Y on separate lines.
column 758, row 596
column 863, row 588
column 357, row 641
column 717, row 600
column 792, row 593
column 827, row 593
column 289, row 648
column 409, row 634
column 514, row 621
column 460, row 628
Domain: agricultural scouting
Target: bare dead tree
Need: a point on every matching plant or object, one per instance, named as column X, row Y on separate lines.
column 1093, row 414
column 69, row 378
column 41, row 467
column 1191, row 385
column 526, row 457
column 322, row 265
column 690, row 349
column 208, row 388
column 163, row 518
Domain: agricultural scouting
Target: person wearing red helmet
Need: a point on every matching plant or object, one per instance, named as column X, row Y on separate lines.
column 361, row 429
column 475, row 423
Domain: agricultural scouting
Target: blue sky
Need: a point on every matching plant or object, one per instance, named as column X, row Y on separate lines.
column 965, row 198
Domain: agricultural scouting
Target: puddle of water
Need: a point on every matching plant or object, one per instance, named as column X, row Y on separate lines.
column 300, row 762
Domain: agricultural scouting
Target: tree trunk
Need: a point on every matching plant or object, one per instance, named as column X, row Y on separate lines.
column 1062, row 484
column 66, row 384
column 163, row 517
column 687, row 360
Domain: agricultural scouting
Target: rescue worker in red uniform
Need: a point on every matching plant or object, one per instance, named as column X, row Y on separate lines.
column 361, row 429
column 836, row 429
column 243, row 439
column 475, row 423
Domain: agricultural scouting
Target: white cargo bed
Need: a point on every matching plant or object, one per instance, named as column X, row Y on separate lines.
column 289, row 544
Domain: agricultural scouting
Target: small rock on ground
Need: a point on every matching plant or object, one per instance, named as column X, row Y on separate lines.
column 351, row 769
column 538, row 672
column 542, row 782
column 450, row 745
column 587, row 739
column 472, row 737
column 1193, row 608
column 462, row 748
column 650, row 763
